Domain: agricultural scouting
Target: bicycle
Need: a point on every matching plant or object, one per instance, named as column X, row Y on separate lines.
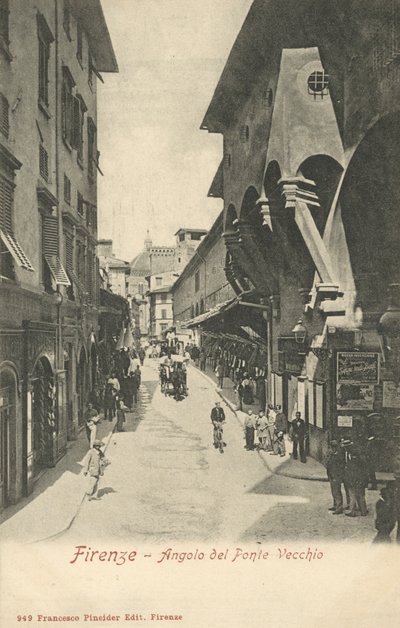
column 218, row 437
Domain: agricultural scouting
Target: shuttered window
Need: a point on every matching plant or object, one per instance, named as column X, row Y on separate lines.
column 43, row 162
column 4, row 116
column 69, row 253
column 78, row 118
column 4, row 20
column 8, row 238
column 92, row 151
column 45, row 38
column 67, row 189
column 50, row 251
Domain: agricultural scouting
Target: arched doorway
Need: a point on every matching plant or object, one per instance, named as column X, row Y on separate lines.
column 81, row 378
column 8, row 401
column 43, row 415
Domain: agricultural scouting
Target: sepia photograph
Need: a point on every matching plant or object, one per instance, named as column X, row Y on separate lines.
column 199, row 313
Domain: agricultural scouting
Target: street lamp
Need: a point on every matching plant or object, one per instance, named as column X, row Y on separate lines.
column 300, row 332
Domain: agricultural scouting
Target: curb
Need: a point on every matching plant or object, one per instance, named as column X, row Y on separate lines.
column 262, row 455
column 68, row 526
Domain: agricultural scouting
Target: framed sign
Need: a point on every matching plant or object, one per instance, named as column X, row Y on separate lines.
column 391, row 395
column 355, row 396
column 278, row 390
column 345, row 421
column 357, row 367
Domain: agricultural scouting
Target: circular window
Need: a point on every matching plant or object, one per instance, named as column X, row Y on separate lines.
column 318, row 82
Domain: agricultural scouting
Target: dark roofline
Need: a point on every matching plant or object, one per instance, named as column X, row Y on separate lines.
column 217, row 186
column 270, row 25
column 203, row 248
column 90, row 12
column 192, row 230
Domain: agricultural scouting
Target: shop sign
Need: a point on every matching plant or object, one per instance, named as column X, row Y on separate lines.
column 294, row 362
column 391, row 395
column 355, row 396
column 356, row 367
column 345, row 421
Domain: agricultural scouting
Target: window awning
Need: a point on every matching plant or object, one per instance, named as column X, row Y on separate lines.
column 215, row 311
column 57, row 270
column 16, row 250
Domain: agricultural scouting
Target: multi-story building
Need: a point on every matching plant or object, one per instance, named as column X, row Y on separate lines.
column 308, row 106
column 51, row 56
column 160, row 299
column 117, row 269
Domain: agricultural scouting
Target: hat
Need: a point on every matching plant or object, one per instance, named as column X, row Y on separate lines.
column 345, row 442
column 98, row 443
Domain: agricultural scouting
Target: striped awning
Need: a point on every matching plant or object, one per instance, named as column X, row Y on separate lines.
column 16, row 250
column 57, row 270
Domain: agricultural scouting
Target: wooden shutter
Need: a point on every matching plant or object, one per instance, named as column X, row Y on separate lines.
column 50, row 235
column 69, row 253
column 43, row 162
column 4, row 116
column 6, row 201
column 76, row 123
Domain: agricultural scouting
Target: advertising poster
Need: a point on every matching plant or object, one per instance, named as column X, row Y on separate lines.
column 181, row 181
column 391, row 395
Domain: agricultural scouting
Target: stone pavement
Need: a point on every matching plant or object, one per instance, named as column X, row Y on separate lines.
column 312, row 470
column 56, row 497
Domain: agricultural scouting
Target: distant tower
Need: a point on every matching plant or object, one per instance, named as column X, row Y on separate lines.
column 148, row 243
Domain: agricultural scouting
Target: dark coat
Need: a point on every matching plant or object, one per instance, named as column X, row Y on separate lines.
column 356, row 472
column 335, row 466
column 298, row 429
column 217, row 414
column 280, row 422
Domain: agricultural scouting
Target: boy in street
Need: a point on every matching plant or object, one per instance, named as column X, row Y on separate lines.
column 95, row 468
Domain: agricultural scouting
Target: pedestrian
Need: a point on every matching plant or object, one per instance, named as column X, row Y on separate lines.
column 271, row 415
column 261, row 427
column 248, row 390
column 217, row 419
column 110, row 396
column 91, row 421
column 298, row 434
column 138, row 375
column 280, row 431
column 142, row 355
column 385, row 519
column 356, row 477
column 120, row 416
column 335, row 468
column 203, row 359
column 220, row 374
column 114, row 381
column 249, row 427
column 95, row 468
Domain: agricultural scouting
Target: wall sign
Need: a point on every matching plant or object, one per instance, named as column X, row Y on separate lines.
column 391, row 395
column 355, row 396
column 357, row 367
column 345, row 421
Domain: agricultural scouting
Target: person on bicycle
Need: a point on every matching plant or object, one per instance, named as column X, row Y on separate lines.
column 217, row 419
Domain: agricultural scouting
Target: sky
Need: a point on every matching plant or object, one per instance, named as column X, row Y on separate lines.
column 158, row 166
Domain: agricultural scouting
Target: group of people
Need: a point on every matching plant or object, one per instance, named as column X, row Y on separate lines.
column 173, row 370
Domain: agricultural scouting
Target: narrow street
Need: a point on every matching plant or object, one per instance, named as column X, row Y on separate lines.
column 166, row 481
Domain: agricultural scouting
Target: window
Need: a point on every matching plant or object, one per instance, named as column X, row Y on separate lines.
column 67, row 18
column 197, row 281
column 4, row 116
column 4, row 21
column 163, row 326
column 163, row 298
column 45, row 38
column 79, row 42
column 244, row 133
column 163, row 314
column 67, row 189
column 10, row 249
column 79, row 204
column 158, row 281
column 68, row 84
column 140, row 288
column 78, row 112
column 53, row 270
column 181, row 237
column 43, row 162
column 227, row 160
column 92, row 152
column 318, row 83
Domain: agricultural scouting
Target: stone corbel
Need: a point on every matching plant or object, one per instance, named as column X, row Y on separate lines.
column 298, row 194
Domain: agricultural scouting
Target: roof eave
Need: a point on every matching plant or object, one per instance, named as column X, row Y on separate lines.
column 91, row 14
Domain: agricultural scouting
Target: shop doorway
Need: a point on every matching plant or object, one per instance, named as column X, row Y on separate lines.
column 43, row 415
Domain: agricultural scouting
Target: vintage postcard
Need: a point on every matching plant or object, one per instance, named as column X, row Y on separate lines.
column 199, row 313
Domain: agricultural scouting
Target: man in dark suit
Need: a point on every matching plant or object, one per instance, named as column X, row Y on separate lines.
column 335, row 468
column 298, row 433
column 217, row 419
